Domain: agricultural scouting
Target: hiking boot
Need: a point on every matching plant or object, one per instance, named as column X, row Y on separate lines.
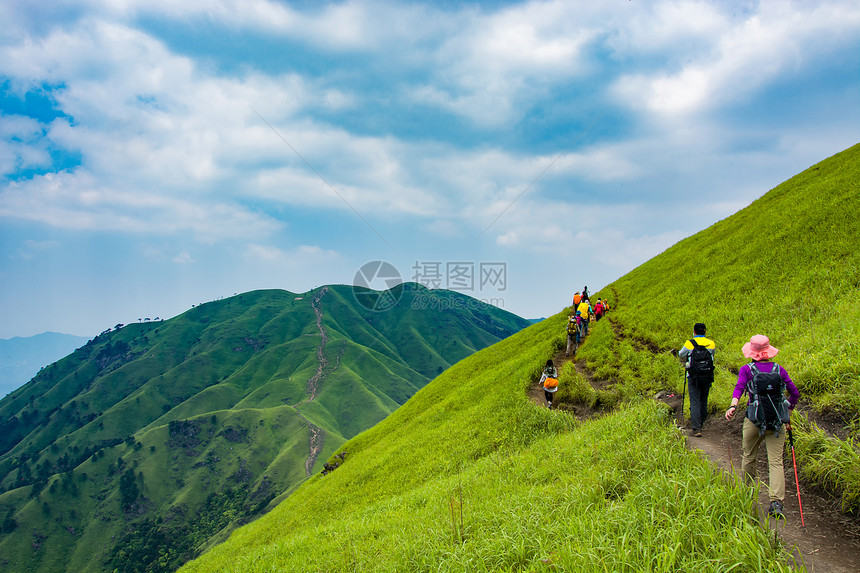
column 775, row 509
column 696, row 433
column 549, row 405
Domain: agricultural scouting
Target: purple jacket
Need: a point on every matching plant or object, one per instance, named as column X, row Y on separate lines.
column 745, row 376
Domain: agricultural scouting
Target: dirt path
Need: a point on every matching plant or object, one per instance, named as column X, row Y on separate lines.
column 317, row 436
column 314, row 381
column 828, row 543
column 316, row 443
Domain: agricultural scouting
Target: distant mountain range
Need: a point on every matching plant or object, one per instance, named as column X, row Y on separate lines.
column 154, row 439
column 21, row 358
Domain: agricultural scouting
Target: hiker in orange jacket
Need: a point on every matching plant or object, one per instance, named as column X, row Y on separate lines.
column 549, row 381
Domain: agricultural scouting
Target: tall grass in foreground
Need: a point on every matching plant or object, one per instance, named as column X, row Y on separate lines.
column 831, row 463
column 617, row 494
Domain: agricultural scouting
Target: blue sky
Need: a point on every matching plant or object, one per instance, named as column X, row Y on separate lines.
column 155, row 155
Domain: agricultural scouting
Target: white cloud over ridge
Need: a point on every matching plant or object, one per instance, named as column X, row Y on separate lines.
column 530, row 125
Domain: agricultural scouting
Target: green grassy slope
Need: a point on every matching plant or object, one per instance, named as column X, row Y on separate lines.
column 787, row 266
column 159, row 435
column 470, row 476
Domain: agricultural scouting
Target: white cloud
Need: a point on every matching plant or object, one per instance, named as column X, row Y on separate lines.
column 79, row 201
column 733, row 59
column 162, row 143
column 508, row 239
column 493, row 62
column 685, row 28
column 183, row 258
column 21, row 144
column 167, row 146
column 170, row 140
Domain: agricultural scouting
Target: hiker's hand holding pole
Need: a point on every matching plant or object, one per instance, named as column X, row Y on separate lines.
column 732, row 409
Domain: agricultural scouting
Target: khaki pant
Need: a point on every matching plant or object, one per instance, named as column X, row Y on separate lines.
column 775, row 447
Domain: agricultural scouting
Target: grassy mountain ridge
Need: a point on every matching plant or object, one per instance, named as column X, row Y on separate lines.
column 787, row 267
column 470, row 475
column 160, row 434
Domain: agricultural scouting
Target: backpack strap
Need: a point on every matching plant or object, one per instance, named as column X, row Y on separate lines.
column 751, row 390
column 775, row 370
column 694, row 343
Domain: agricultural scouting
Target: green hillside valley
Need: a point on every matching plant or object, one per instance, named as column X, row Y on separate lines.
column 470, row 474
column 156, row 439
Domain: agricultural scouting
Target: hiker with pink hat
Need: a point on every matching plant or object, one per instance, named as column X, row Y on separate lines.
column 765, row 382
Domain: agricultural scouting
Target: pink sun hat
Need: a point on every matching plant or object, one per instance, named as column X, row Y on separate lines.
column 759, row 348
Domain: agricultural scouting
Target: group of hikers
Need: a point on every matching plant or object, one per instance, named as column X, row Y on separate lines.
column 768, row 410
column 771, row 394
column 582, row 312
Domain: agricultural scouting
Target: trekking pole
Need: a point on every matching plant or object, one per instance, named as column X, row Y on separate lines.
column 794, row 461
column 684, row 391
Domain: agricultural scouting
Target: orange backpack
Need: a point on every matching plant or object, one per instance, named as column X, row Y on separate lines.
column 550, row 383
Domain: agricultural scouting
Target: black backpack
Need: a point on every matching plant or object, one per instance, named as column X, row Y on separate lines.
column 768, row 408
column 701, row 363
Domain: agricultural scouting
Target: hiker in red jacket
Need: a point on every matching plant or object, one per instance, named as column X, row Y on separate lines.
column 599, row 309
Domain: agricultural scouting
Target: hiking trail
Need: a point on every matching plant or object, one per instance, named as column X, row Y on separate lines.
column 316, row 435
column 830, row 540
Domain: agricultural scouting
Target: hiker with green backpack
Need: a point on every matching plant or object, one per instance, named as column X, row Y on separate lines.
column 697, row 354
column 572, row 334
column 766, row 383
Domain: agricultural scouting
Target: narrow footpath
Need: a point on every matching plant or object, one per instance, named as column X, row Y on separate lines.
column 830, row 540
column 316, row 435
